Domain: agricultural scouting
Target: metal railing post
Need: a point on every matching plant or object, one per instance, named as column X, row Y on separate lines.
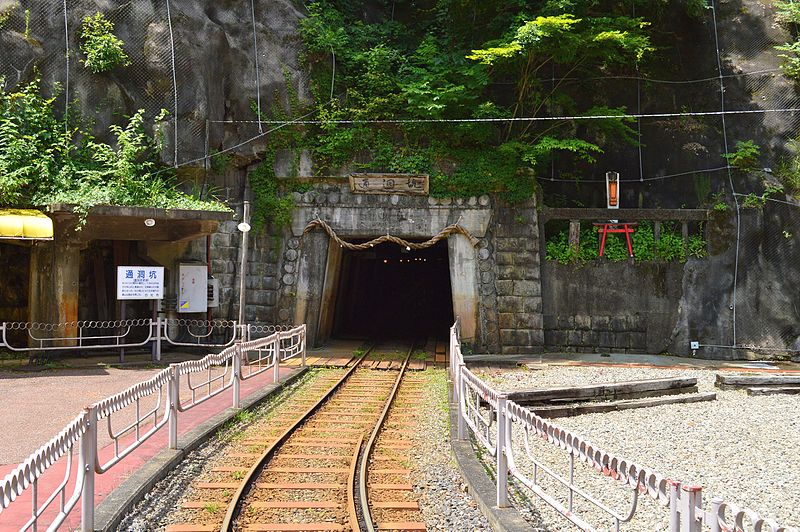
column 158, row 339
column 462, row 425
column 303, row 346
column 691, row 501
column 502, row 460
column 86, row 467
column 716, row 502
column 237, row 374
column 276, row 375
column 674, row 505
column 172, row 390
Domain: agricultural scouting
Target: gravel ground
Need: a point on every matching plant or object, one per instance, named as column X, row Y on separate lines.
column 444, row 500
column 740, row 448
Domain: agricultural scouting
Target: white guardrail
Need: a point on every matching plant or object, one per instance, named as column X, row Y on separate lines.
column 127, row 334
column 491, row 419
column 130, row 418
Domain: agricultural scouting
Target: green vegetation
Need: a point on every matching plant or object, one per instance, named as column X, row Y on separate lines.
column 788, row 170
column 45, row 159
column 6, row 12
column 669, row 246
column 467, row 59
column 211, row 507
column 755, row 201
column 745, row 157
column 104, row 50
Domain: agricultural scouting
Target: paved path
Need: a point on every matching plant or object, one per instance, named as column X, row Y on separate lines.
column 37, row 406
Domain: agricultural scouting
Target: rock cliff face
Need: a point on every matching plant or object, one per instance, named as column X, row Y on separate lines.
column 232, row 58
column 228, row 58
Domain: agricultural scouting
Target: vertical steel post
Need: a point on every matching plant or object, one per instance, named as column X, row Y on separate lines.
column 674, row 505
column 693, row 496
column 276, row 375
column 303, row 345
column 158, row 338
column 172, row 390
column 502, row 460
column 244, row 227
column 86, row 467
column 237, row 374
column 462, row 426
column 714, row 525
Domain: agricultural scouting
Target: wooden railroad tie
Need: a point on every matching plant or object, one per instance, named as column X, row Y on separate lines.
column 291, row 527
column 295, row 505
column 299, row 486
column 406, row 525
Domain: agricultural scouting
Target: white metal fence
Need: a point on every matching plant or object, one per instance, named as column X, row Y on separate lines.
column 128, row 334
column 130, row 418
column 490, row 418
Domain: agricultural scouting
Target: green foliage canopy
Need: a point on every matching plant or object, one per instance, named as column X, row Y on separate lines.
column 44, row 159
column 467, row 59
column 104, row 50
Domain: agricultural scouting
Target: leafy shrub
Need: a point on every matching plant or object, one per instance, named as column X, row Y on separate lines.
column 45, row 160
column 104, row 50
column 645, row 248
column 791, row 60
column 745, row 157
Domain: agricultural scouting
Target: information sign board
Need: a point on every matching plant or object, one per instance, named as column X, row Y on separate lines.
column 140, row 282
column 389, row 184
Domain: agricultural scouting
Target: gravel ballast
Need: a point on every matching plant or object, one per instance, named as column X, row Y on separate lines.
column 442, row 493
column 741, row 448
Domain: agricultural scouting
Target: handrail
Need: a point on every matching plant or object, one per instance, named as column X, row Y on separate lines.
column 156, row 403
column 479, row 405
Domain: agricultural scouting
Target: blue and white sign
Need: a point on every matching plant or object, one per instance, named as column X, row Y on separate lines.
column 140, row 282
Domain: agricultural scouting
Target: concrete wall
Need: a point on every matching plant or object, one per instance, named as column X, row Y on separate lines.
column 611, row 306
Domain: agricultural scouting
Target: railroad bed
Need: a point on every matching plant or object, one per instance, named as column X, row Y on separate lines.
column 300, row 469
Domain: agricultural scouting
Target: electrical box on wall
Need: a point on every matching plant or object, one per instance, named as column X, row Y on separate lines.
column 213, row 293
column 192, row 288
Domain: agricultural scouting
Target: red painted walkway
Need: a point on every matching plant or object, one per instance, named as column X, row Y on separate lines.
column 16, row 515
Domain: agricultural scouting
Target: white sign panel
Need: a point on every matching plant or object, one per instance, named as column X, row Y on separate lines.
column 140, row 282
column 192, row 288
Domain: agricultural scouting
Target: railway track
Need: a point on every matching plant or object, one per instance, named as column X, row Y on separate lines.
column 340, row 463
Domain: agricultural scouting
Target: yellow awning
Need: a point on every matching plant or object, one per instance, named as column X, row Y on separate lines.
column 25, row 224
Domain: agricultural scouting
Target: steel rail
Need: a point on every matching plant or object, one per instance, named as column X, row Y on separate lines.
column 252, row 474
column 362, row 474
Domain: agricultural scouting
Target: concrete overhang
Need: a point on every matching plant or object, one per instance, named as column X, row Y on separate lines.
column 107, row 222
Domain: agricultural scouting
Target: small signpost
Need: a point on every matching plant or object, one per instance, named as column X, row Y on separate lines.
column 140, row 282
column 135, row 283
column 389, row 184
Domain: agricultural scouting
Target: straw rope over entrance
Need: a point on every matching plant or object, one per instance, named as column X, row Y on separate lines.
column 444, row 233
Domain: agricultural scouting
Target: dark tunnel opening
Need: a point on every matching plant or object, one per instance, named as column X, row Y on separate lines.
column 392, row 292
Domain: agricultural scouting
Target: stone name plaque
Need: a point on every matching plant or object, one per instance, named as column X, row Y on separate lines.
column 389, row 184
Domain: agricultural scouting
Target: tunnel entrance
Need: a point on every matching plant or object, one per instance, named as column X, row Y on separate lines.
column 392, row 292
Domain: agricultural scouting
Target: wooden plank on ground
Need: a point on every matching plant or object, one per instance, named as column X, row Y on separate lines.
column 592, row 408
column 724, row 381
column 774, row 390
column 628, row 389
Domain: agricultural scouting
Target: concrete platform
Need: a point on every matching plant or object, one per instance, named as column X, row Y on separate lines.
column 46, row 400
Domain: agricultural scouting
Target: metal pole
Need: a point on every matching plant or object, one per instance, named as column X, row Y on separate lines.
column 462, row 426
column 237, row 374
column 174, row 397
column 158, row 339
column 502, row 461
column 276, row 376
column 303, row 346
column 716, row 502
column 86, row 467
column 674, row 509
column 693, row 496
column 243, row 266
